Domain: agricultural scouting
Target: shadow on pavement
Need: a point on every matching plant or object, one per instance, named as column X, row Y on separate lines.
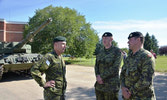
column 84, row 93
column 81, row 93
column 11, row 76
column 160, row 86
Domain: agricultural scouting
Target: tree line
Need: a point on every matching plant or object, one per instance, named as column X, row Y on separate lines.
column 82, row 39
column 163, row 50
column 151, row 43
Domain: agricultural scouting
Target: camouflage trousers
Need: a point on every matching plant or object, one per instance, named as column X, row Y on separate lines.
column 106, row 95
column 51, row 96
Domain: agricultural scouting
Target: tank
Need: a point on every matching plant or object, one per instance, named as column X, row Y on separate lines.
column 17, row 56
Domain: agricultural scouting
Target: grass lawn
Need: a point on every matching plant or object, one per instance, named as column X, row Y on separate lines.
column 161, row 62
column 81, row 61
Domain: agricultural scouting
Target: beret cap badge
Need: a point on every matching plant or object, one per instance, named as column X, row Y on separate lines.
column 107, row 34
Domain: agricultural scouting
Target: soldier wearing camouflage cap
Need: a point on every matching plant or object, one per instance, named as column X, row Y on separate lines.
column 138, row 71
column 54, row 68
column 107, row 66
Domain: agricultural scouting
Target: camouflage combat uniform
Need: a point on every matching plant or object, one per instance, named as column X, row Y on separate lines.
column 137, row 75
column 107, row 66
column 54, row 68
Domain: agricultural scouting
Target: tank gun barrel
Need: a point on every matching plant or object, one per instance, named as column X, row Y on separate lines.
column 32, row 34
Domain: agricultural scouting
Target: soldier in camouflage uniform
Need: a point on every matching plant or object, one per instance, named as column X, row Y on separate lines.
column 137, row 71
column 54, row 68
column 107, row 70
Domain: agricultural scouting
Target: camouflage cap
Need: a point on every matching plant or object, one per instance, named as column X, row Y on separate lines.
column 107, row 34
column 59, row 38
column 135, row 34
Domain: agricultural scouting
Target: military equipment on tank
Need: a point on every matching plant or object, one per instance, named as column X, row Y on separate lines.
column 17, row 56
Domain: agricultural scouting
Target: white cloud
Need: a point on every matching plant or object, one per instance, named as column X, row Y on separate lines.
column 121, row 29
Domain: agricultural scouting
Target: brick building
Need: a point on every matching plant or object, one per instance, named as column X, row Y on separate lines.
column 11, row 31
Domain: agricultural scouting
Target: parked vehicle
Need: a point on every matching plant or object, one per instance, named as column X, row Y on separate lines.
column 17, row 56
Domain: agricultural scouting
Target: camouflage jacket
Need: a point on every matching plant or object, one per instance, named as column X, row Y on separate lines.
column 107, row 65
column 137, row 74
column 54, row 68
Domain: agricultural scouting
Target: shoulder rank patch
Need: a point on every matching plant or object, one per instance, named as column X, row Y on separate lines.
column 149, row 55
column 47, row 62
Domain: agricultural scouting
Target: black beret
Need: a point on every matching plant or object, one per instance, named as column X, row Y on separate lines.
column 135, row 34
column 59, row 38
column 107, row 34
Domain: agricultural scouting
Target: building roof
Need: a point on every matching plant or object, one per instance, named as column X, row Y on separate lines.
column 12, row 22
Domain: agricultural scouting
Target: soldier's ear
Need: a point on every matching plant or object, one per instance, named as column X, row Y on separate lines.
column 138, row 39
column 111, row 38
column 55, row 45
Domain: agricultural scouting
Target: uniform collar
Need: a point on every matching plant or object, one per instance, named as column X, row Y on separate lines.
column 55, row 54
column 131, row 53
column 108, row 48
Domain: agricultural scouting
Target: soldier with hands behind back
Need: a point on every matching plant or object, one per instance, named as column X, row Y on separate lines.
column 107, row 66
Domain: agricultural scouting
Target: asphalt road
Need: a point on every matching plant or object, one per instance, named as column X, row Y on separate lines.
column 80, row 85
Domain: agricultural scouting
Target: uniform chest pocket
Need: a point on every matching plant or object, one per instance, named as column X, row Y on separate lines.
column 108, row 60
column 56, row 65
column 132, row 72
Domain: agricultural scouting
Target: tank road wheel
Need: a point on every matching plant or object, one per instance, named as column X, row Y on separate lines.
column 1, row 71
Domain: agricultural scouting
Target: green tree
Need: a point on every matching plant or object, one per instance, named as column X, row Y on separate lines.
column 81, row 38
column 114, row 43
column 148, row 42
column 155, row 46
column 125, row 49
column 151, row 43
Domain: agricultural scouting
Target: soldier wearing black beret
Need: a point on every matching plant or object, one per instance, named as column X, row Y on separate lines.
column 59, row 38
column 138, row 71
column 135, row 34
column 107, row 34
column 54, row 68
column 107, row 66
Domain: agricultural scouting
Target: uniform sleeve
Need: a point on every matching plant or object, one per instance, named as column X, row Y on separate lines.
column 122, row 75
column 114, row 69
column 146, row 77
column 38, row 69
column 96, row 68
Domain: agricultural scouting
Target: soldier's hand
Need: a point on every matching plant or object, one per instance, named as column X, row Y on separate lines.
column 49, row 84
column 126, row 93
column 99, row 79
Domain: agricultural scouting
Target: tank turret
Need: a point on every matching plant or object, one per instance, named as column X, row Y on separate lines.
column 21, row 47
column 17, row 56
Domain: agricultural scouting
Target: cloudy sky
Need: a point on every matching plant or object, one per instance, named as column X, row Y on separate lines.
column 119, row 17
